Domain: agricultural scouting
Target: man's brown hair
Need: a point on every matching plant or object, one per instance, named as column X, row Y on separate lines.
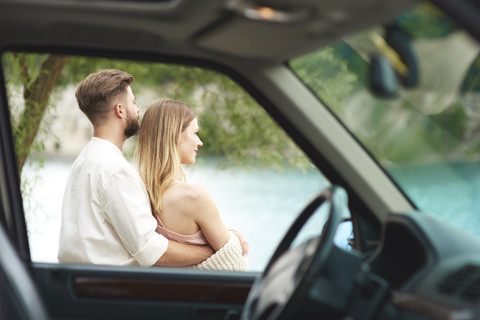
column 94, row 93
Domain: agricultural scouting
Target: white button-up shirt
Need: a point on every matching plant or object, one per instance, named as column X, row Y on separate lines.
column 106, row 214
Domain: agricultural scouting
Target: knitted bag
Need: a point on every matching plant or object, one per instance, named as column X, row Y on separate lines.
column 229, row 257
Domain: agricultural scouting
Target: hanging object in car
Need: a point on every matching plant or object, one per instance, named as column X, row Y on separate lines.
column 396, row 60
column 383, row 80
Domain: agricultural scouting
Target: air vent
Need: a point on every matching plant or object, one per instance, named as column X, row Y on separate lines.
column 464, row 283
column 472, row 292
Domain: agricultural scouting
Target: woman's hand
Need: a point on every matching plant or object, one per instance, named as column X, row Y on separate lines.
column 243, row 242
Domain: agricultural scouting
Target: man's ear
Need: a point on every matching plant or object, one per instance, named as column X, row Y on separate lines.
column 119, row 110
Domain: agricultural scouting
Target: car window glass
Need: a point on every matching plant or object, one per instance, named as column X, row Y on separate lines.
column 256, row 175
column 426, row 137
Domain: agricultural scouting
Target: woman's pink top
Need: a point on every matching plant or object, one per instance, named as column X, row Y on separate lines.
column 197, row 238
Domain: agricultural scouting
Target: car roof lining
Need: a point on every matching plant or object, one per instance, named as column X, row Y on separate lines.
column 207, row 28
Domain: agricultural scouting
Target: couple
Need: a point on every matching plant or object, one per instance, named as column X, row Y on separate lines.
column 112, row 215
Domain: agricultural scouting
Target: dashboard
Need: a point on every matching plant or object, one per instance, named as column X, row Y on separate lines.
column 432, row 269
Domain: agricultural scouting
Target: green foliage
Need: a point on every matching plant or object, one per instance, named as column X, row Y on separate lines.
column 427, row 22
column 452, row 120
column 353, row 61
column 472, row 78
column 233, row 125
column 381, row 124
column 147, row 73
column 38, row 75
column 327, row 74
column 21, row 70
column 409, row 129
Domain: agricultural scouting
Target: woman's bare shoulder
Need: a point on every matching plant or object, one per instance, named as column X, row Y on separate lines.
column 187, row 195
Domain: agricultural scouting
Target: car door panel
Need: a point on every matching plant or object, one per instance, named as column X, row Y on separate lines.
column 103, row 292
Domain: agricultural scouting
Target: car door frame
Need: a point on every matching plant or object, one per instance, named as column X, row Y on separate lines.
column 99, row 292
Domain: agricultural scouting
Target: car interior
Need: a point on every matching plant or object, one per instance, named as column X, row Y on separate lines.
column 353, row 242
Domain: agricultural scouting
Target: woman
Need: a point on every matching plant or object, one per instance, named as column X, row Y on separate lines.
column 185, row 212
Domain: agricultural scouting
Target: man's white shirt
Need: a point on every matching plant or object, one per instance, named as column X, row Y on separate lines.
column 106, row 213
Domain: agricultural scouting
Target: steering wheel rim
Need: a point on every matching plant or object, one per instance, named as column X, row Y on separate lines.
column 312, row 259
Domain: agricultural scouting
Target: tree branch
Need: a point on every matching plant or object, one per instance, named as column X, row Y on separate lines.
column 24, row 69
column 36, row 103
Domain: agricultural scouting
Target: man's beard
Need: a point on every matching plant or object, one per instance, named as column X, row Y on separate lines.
column 132, row 126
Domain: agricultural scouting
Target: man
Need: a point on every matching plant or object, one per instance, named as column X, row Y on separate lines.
column 106, row 214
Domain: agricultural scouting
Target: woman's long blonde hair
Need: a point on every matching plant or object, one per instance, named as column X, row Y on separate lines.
column 157, row 149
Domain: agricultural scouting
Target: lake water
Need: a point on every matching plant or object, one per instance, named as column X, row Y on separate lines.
column 260, row 203
column 448, row 191
column 263, row 203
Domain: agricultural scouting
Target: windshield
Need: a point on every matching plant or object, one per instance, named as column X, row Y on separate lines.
column 427, row 137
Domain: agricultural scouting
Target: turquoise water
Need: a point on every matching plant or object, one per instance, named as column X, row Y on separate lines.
column 260, row 203
column 263, row 203
column 449, row 191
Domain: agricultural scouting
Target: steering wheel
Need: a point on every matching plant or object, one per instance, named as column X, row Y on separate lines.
column 284, row 290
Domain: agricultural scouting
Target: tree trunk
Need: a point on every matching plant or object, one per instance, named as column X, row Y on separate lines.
column 36, row 102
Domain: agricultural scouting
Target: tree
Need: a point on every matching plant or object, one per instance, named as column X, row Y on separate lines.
column 37, row 75
column 233, row 125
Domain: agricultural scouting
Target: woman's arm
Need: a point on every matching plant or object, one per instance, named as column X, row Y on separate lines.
column 204, row 212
